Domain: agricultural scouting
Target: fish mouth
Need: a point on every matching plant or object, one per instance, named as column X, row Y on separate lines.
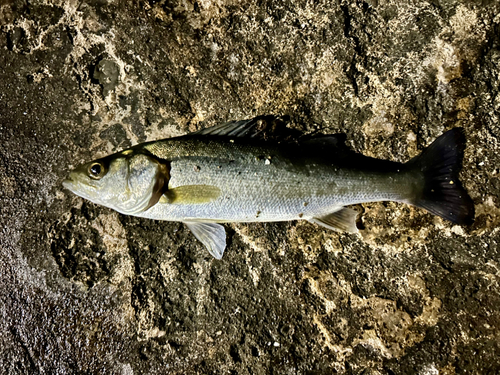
column 68, row 183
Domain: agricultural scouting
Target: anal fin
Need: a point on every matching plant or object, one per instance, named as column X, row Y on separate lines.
column 212, row 235
column 343, row 220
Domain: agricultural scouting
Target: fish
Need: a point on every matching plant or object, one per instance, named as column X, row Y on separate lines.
column 237, row 172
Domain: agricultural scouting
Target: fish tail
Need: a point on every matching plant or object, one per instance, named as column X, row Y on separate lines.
column 443, row 193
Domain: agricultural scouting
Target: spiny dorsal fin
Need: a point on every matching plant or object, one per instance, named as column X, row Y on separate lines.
column 343, row 220
column 252, row 128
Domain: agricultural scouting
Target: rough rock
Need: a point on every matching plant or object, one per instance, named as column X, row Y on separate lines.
column 86, row 290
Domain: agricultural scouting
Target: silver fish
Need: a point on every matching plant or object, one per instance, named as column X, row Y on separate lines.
column 232, row 173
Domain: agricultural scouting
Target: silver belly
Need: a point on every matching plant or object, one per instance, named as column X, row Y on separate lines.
column 256, row 190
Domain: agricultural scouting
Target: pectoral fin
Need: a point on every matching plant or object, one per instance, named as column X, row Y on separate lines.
column 191, row 194
column 343, row 220
column 212, row 235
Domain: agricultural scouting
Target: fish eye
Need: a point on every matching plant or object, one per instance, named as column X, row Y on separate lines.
column 96, row 171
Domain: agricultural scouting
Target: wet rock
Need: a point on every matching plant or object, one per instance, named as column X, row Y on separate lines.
column 107, row 73
column 87, row 290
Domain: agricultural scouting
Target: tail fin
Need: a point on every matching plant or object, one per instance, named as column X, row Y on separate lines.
column 443, row 194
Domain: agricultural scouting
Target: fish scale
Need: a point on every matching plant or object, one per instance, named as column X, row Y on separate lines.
column 233, row 173
column 253, row 190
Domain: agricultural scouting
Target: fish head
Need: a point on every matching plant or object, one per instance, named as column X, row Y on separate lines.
column 127, row 182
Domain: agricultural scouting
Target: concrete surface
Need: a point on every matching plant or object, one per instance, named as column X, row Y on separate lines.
column 86, row 290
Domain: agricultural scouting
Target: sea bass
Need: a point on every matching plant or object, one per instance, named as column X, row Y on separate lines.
column 234, row 173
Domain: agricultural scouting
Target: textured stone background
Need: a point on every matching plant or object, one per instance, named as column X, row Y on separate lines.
column 86, row 290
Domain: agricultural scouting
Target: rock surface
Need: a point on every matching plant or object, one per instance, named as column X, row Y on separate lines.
column 86, row 290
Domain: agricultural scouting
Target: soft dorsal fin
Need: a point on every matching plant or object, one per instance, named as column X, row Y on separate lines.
column 343, row 220
column 252, row 128
column 212, row 235
column 332, row 147
column 325, row 142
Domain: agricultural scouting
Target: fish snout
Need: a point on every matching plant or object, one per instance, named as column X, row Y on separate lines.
column 68, row 184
